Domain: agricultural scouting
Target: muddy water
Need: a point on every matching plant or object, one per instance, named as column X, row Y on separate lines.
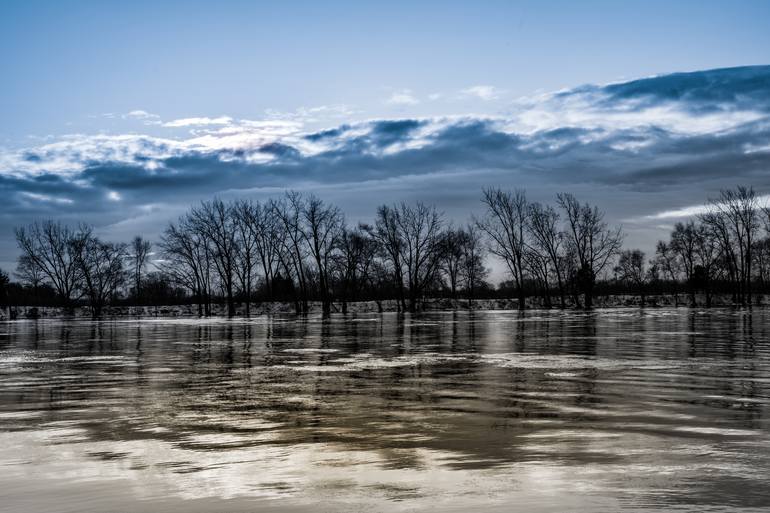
column 491, row 411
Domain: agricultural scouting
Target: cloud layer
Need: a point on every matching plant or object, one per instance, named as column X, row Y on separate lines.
column 639, row 149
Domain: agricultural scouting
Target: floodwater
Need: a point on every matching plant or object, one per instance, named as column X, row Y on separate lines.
column 615, row 410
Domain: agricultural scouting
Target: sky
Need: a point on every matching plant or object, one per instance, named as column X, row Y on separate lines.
column 122, row 114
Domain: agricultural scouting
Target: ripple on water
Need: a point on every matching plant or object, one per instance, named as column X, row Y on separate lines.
column 617, row 409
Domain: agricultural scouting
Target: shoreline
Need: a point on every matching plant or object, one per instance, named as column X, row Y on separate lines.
column 356, row 307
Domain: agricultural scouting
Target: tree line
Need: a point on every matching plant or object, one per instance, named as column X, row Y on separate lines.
column 299, row 248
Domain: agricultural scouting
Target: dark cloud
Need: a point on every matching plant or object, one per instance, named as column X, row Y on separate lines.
column 701, row 91
column 327, row 134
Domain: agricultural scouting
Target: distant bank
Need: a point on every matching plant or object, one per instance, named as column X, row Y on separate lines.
column 437, row 304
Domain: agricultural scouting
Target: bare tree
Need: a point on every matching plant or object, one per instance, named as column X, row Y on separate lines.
column 631, row 270
column 247, row 219
column 387, row 234
column 707, row 257
column 736, row 212
column 48, row 246
column 452, row 249
column 410, row 238
column 215, row 221
column 5, row 280
column 322, row 229
column 355, row 261
column 547, row 240
column 684, row 243
column 420, row 228
column 472, row 270
column 101, row 265
column 592, row 242
column 505, row 224
column 187, row 259
column 668, row 264
column 140, row 256
column 266, row 230
column 29, row 273
column 293, row 251
column 761, row 254
column 718, row 229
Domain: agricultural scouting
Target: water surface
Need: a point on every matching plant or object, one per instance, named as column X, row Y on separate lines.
column 492, row 411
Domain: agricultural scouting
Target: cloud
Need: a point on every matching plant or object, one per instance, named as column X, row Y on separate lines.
column 46, row 198
column 140, row 115
column 642, row 152
column 185, row 122
column 696, row 210
column 402, row 97
column 482, row 92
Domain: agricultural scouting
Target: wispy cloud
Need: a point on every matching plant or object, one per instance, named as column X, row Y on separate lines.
column 46, row 198
column 696, row 210
column 141, row 115
column 204, row 121
column 482, row 92
column 402, row 97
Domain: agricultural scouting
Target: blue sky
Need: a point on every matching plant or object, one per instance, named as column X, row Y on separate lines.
column 122, row 114
column 64, row 61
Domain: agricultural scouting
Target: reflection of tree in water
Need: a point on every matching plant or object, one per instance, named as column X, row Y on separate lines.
column 400, row 385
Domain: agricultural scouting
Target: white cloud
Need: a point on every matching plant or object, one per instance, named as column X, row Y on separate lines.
column 483, row 92
column 184, row 122
column 690, row 211
column 589, row 110
column 318, row 114
column 402, row 97
column 114, row 196
column 47, row 199
column 140, row 115
column 695, row 210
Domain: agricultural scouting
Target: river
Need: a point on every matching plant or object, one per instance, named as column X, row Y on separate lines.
column 618, row 409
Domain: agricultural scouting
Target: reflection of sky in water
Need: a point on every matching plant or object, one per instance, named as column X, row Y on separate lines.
column 548, row 411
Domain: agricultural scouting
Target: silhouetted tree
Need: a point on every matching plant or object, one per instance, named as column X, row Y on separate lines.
column 631, row 270
column 140, row 255
column 101, row 266
column 49, row 247
column 505, row 224
column 472, row 270
column 547, row 240
column 590, row 240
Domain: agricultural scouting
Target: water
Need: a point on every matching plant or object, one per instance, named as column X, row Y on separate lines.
column 489, row 411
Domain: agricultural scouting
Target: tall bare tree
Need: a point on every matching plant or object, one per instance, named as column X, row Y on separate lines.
column 215, row 221
column 592, row 242
column 684, row 244
column 246, row 222
column 323, row 226
column 187, row 259
column 452, row 249
column 388, row 235
column 547, row 240
column 667, row 263
column 102, row 267
column 505, row 224
column 29, row 273
column 735, row 215
column 632, row 271
column 420, row 229
column 293, row 252
column 140, row 256
column 355, row 261
column 472, row 270
column 49, row 246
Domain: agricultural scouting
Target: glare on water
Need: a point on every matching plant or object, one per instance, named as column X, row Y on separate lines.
column 495, row 411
